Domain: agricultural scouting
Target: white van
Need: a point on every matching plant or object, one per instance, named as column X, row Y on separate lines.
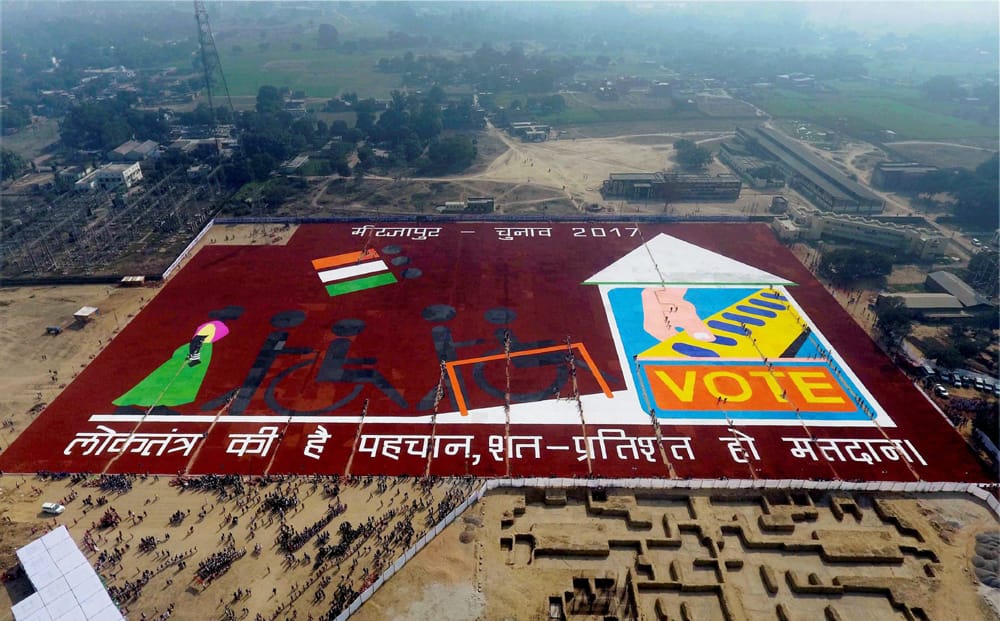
column 52, row 508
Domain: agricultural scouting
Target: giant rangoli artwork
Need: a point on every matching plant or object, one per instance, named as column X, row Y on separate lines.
column 497, row 349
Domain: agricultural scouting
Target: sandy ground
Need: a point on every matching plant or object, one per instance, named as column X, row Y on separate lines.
column 556, row 545
column 576, row 167
column 278, row 588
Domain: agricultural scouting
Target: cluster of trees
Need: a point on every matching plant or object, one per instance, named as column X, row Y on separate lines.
column 14, row 117
column 270, row 135
column 202, row 115
column 947, row 88
column 963, row 343
column 107, row 123
column 11, row 164
column 976, row 193
column 541, row 106
column 487, row 69
column 844, row 266
column 409, row 129
column 690, row 156
column 894, row 319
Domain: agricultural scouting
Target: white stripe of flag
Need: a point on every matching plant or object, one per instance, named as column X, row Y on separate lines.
column 353, row 271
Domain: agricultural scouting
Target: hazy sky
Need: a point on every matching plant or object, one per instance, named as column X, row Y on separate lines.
column 903, row 17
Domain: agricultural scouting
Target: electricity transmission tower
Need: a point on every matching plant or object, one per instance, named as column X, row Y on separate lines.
column 210, row 65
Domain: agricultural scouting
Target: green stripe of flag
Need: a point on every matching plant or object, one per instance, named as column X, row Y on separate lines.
column 360, row 284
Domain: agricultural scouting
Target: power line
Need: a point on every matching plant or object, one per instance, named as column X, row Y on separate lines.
column 211, row 64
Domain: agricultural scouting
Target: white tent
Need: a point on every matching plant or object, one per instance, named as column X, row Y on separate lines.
column 85, row 313
column 66, row 587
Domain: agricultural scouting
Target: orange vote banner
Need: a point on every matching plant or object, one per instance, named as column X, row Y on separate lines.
column 751, row 387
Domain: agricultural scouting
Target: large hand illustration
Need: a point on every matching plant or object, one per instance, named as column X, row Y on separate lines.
column 665, row 312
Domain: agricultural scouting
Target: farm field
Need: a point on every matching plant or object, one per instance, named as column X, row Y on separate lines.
column 320, row 73
column 942, row 154
column 869, row 109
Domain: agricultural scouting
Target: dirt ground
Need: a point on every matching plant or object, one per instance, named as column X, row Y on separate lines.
column 519, row 551
column 277, row 587
column 563, row 174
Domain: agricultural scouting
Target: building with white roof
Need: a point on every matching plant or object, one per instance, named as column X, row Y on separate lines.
column 66, row 587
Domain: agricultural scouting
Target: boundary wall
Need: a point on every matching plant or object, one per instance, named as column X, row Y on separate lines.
column 978, row 491
column 187, row 249
column 481, row 217
column 369, row 218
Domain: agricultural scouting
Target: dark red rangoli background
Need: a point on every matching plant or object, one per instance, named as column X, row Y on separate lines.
column 539, row 279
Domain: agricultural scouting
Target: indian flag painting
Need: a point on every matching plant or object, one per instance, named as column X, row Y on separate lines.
column 353, row 271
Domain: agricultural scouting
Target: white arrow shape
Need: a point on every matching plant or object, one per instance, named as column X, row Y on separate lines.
column 666, row 260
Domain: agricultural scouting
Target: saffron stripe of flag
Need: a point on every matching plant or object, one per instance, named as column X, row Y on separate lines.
column 344, row 259
column 360, row 284
column 352, row 271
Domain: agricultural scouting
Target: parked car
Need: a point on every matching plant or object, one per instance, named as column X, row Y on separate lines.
column 52, row 508
column 941, row 391
column 980, row 385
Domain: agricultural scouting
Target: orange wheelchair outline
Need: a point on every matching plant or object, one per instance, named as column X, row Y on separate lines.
column 460, row 398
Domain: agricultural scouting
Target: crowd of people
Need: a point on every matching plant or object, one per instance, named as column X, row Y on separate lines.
column 218, row 563
column 407, row 509
column 290, row 540
column 211, row 482
column 120, row 483
column 110, row 519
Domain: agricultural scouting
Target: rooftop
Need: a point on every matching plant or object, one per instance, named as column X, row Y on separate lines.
column 821, row 173
column 633, row 176
column 116, row 168
column 928, row 301
column 66, row 586
column 958, row 288
column 910, row 167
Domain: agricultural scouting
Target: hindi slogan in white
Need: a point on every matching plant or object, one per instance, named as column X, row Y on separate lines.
column 603, row 445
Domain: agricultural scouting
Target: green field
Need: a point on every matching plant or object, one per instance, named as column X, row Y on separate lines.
column 583, row 115
column 863, row 108
column 30, row 141
column 320, row 73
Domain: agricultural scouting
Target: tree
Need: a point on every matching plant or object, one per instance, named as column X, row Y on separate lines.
column 945, row 355
column 690, row 156
column 14, row 118
column 269, row 100
column 895, row 321
column 107, row 123
column 451, row 154
column 943, row 88
column 365, row 110
column 11, row 164
column 845, row 266
column 327, row 37
column 339, row 128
